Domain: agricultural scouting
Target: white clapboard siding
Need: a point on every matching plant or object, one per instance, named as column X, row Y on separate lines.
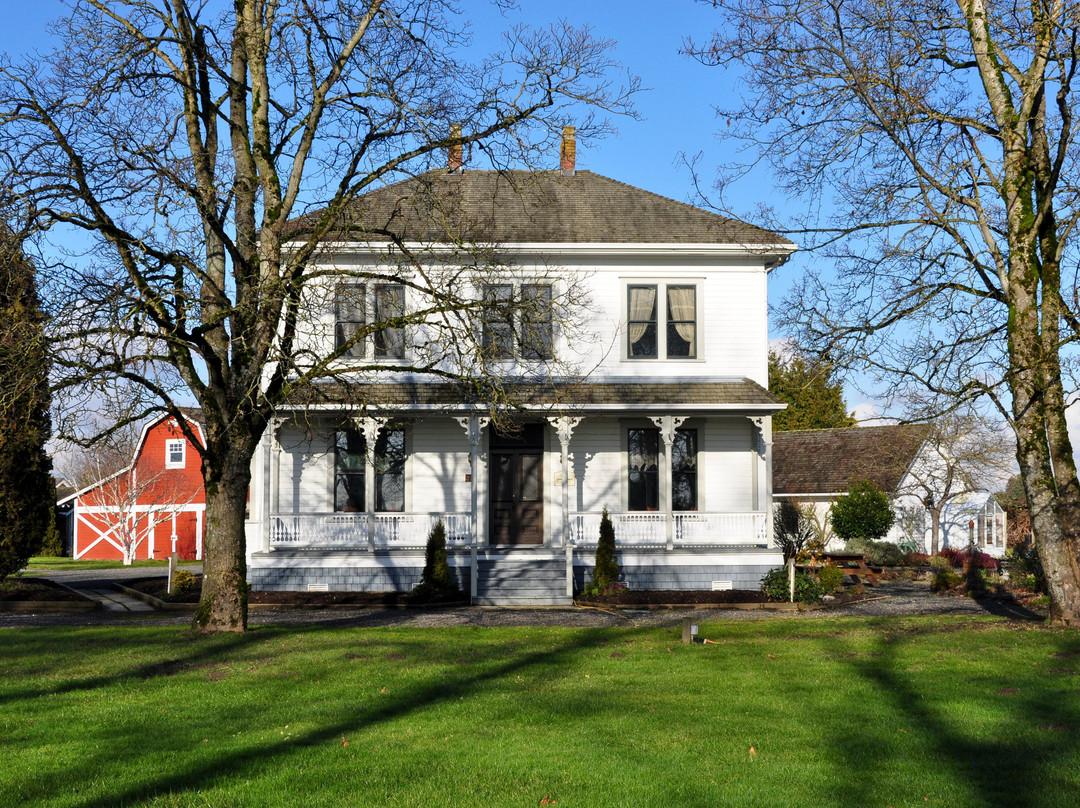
column 438, row 463
column 597, row 465
column 726, row 459
column 306, row 471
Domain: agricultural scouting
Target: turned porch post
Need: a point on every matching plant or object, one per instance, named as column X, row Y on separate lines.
column 667, row 425
column 271, row 474
column 369, row 428
column 564, row 428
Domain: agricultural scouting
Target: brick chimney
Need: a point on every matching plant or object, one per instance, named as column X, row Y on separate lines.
column 568, row 152
column 454, row 154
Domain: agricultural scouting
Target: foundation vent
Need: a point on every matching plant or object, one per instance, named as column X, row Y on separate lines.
column 721, row 586
column 318, row 587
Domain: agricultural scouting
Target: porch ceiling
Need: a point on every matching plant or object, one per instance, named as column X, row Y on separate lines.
column 729, row 395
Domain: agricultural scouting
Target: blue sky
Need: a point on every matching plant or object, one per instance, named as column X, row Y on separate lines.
column 677, row 111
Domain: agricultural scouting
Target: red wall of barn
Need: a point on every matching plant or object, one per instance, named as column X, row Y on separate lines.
column 156, row 485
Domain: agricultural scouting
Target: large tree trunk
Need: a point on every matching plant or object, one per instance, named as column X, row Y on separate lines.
column 1051, row 502
column 223, row 605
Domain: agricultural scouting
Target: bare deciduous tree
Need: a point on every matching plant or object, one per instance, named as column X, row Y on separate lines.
column 186, row 139
column 933, row 145
column 962, row 455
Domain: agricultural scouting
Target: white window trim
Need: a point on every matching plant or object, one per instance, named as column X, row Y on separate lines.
column 517, row 284
column 331, row 469
column 169, row 445
column 368, row 341
column 661, row 319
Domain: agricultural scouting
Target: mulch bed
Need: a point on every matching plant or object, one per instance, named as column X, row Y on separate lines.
column 40, row 590
column 643, row 597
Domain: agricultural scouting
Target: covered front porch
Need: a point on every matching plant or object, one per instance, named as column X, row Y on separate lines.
column 364, row 488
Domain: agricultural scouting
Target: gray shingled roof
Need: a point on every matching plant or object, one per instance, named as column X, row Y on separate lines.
column 827, row 461
column 504, row 207
column 386, row 395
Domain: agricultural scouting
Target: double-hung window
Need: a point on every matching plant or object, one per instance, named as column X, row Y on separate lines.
column 389, row 309
column 379, row 307
column 388, row 467
column 517, row 321
column 643, row 465
column 174, row 454
column 662, row 321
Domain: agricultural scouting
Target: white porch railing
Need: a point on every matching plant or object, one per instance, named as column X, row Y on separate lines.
column 689, row 529
column 350, row 530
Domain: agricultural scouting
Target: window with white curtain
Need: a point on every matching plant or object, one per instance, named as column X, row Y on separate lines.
column 662, row 321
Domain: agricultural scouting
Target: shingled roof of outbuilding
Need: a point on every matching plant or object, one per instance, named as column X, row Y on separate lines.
column 521, row 207
column 827, row 461
column 732, row 394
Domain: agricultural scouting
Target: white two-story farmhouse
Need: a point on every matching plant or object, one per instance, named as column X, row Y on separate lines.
column 648, row 399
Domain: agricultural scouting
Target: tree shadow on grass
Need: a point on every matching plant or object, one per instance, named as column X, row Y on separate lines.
column 1020, row 761
column 187, row 775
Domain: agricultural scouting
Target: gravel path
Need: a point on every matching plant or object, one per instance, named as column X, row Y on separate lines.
column 895, row 599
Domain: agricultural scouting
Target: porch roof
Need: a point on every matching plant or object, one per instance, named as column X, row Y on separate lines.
column 735, row 395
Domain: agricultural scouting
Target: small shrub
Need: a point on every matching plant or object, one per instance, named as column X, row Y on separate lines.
column 982, row 561
column 436, row 582
column 953, row 556
column 876, row 553
column 605, row 574
column 915, row 559
column 792, row 531
column 939, row 563
column 1023, row 565
column 864, row 512
column 774, row 584
column 831, row 579
column 858, row 588
column 945, row 580
column 183, row 581
column 592, row 590
column 1030, row 582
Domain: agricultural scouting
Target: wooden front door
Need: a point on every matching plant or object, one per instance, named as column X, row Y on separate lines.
column 516, row 489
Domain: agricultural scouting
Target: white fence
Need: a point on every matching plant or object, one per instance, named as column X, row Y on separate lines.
column 350, row 530
column 688, row 529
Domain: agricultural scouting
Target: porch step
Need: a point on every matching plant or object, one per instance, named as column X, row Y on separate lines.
column 521, row 581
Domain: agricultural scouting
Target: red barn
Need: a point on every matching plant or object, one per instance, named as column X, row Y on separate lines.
column 147, row 510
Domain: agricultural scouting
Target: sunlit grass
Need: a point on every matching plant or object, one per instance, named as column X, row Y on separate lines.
column 941, row 711
column 49, row 563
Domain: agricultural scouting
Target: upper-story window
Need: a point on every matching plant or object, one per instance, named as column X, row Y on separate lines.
column 380, row 304
column 517, row 321
column 174, row 454
column 662, row 321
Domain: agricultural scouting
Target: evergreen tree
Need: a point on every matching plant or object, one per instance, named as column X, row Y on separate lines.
column 606, row 572
column 26, row 484
column 815, row 399
column 436, row 580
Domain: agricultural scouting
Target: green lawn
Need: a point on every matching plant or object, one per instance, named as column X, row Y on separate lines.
column 934, row 711
column 49, row 563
